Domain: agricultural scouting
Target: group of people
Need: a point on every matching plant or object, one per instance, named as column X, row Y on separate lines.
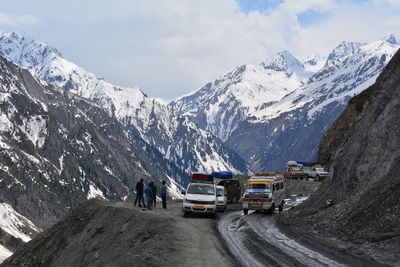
column 151, row 194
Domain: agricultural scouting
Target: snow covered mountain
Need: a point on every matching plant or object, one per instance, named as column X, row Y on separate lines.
column 180, row 140
column 57, row 149
column 220, row 106
column 268, row 124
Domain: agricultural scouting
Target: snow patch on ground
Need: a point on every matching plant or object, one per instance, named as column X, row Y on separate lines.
column 94, row 192
column 35, row 129
column 4, row 253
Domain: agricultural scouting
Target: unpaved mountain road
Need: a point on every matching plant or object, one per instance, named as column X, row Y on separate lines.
column 110, row 233
column 258, row 240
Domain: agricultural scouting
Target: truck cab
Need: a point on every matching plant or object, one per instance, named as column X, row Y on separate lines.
column 264, row 193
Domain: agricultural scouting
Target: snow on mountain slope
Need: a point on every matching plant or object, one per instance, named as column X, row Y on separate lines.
column 314, row 63
column 222, row 104
column 16, row 224
column 291, row 128
column 57, row 149
column 350, row 68
column 152, row 120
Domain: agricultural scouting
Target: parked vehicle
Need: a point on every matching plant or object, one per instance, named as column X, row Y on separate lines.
column 264, row 193
column 315, row 170
column 319, row 173
column 232, row 188
column 294, row 170
column 200, row 196
column 221, row 198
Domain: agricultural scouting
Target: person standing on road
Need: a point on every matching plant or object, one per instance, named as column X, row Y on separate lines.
column 164, row 195
column 149, row 196
column 153, row 186
column 139, row 193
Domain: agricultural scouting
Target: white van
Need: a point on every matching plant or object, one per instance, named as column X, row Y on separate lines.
column 264, row 193
column 222, row 198
column 200, row 197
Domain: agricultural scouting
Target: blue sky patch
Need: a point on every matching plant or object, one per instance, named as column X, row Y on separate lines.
column 311, row 17
column 248, row 6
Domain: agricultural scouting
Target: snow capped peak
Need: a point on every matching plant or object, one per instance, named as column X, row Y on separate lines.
column 391, row 39
column 283, row 61
column 12, row 42
column 343, row 50
column 314, row 62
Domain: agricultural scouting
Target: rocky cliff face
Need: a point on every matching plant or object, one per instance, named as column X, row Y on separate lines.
column 362, row 150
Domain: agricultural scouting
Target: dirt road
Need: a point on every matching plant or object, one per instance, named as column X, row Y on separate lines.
column 259, row 240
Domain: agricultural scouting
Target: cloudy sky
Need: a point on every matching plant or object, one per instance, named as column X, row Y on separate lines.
column 171, row 47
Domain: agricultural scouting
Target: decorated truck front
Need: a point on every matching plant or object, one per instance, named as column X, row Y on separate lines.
column 263, row 193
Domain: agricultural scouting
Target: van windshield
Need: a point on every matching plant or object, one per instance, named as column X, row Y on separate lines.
column 201, row 189
column 258, row 188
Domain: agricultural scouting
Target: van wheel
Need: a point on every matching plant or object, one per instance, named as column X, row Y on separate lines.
column 245, row 211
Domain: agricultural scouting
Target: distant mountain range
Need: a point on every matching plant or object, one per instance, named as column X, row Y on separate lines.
column 279, row 110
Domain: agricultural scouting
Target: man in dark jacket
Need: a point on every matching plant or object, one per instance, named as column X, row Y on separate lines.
column 139, row 193
column 164, row 194
column 153, row 186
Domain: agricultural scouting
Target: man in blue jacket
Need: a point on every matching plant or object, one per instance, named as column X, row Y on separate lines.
column 149, row 195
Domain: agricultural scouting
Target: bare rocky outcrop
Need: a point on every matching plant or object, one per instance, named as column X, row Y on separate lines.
column 362, row 150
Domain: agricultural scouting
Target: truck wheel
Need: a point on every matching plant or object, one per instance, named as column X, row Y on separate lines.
column 214, row 215
column 185, row 214
column 245, row 211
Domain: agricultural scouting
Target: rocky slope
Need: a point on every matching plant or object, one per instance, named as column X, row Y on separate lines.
column 176, row 137
column 57, row 149
column 100, row 233
column 363, row 153
column 273, row 113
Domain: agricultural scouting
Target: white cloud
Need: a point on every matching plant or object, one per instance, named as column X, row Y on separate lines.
column 15, row 21
column 171, row 47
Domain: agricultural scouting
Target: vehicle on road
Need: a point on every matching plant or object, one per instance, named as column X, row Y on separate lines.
column 264, row 193
column 294, row 170
column 200, row 196
column 232, row 185
column 221, row 198
column 319, row 173
column 315, row 170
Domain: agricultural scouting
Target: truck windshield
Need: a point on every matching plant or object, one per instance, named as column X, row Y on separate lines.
column 201, row 189
column 258, row 188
